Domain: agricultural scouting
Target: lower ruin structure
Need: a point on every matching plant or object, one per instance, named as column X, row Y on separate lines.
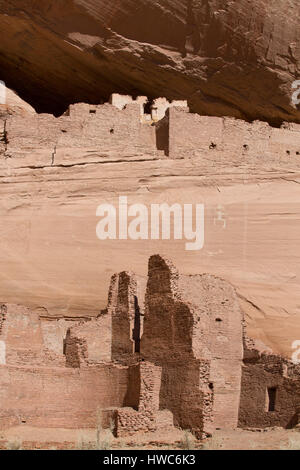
column 167, row 351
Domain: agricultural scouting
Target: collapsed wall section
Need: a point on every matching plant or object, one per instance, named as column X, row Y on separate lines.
column 116, row 333
column 146, row 414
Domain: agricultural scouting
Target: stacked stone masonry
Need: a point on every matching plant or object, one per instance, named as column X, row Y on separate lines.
column 134, row 129
column 171, row 353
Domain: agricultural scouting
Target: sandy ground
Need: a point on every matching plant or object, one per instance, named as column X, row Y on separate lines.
column 47, row 438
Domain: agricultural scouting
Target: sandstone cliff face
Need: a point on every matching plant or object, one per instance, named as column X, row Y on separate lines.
column 235, row 57
column 55, row 173
column 15, row 106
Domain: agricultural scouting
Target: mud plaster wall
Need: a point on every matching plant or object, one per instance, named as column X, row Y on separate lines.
column 257, row 376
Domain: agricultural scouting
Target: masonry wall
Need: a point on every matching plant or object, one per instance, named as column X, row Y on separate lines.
column 192, row 134
column 219, row 339
column 263, row 372
column 186, row 393
column 190, row 371
column 115, row 334
column 227, row 138
column 167, row 342
column 26, row 338
column 89, row 342
column 59, row 397
column 125, row 325
column 85, row 134
column 147, row 414
column 193, row 329
column 92, row 134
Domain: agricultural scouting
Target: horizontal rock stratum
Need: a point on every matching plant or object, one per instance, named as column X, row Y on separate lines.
column 236, row 58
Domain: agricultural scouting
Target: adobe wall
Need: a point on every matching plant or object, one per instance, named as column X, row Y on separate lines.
column 59, row 397
column 260, row 373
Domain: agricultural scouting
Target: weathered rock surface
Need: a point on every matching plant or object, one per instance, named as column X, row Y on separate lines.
column 15, row 106
column 234, row 58
column 55, row 172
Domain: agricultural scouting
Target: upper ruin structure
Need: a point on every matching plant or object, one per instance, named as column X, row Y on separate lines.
column 124, row 129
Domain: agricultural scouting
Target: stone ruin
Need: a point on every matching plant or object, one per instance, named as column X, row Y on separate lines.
column 134, row 129
column 169, row 350
column 157, row 108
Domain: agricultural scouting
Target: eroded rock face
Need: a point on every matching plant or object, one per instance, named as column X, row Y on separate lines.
column 55, row 172
column 236, row 58
column 12, row 105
